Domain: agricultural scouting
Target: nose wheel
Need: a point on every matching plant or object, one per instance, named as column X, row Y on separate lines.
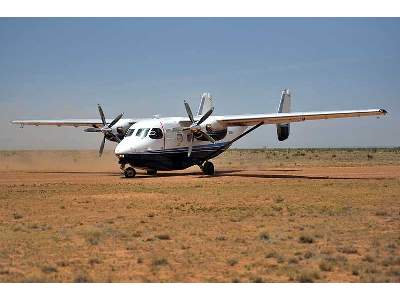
column 208, row 168
column 129, row 172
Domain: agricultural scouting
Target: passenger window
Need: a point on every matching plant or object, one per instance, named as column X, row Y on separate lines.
column 156, row 133
column 139, row 132
column 146, row 131
column 130, row 132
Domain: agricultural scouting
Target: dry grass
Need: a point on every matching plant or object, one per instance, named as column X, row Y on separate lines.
column 300, row 215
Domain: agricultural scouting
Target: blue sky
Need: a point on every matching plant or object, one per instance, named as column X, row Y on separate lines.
column 61, row 68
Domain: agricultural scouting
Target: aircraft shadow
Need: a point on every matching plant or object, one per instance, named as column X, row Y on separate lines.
column 289, row 176
column 222, row 173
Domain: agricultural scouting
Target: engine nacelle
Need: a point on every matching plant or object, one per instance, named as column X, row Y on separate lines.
column 121, row 128
column 215, row 130
column 283, row 131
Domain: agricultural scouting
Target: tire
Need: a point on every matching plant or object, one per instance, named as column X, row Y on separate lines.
column 208, row 168
column 151, row 172
column 129, row 172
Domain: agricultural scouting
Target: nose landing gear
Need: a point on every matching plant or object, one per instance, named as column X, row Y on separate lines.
column 129, row 172
column 208, row 168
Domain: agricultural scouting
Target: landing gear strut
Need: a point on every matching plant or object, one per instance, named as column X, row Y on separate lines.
column 129, row 172
column 208, row 168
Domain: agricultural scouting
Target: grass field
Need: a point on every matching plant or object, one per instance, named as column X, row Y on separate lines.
column 298, row 215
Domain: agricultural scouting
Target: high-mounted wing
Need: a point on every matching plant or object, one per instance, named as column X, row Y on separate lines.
column 97, row 123
column 283, row 118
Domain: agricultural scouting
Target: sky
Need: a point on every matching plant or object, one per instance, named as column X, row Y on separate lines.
column 61, row 68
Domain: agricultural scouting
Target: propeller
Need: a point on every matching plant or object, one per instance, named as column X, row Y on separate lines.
column 106, row 129
column 195, row 128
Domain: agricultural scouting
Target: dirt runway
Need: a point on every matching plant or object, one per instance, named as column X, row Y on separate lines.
column 74, row 218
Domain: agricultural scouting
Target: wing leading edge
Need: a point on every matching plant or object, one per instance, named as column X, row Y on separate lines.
column 283, row 118
column 70, row 122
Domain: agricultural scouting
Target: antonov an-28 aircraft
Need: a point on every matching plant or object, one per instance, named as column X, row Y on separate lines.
column 177, row 143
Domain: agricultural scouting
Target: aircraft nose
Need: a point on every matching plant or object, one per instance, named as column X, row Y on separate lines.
column 122, row 148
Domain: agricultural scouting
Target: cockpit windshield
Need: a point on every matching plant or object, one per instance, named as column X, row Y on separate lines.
column 153, row 133
column 139, row 131
column 130, row 132
column 145, row 132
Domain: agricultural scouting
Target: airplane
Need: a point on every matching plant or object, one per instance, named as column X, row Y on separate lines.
column 176, row 143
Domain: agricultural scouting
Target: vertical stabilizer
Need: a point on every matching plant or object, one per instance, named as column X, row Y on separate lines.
column 284, row 106
column 206, row 104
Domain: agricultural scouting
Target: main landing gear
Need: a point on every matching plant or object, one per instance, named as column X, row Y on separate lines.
column 208, row 168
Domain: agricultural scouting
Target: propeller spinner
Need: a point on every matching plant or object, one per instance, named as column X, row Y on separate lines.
column 195, row 128
column 106, row 129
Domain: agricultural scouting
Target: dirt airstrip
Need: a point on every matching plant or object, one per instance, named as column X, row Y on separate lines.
column 300, row 215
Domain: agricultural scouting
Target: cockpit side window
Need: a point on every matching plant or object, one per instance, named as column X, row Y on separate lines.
column 139, row 132
column 156, row 133
column 130, row 132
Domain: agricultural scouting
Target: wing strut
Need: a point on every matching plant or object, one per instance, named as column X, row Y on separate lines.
column 226, row 146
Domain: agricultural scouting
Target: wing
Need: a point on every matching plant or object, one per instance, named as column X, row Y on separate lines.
column 284, row 118
column 71, row 122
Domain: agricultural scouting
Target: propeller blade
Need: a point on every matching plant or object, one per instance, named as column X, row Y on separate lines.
column 189, row 111
column 191, row 146
column 205, row 116
column 115, row 120
column 103, row 118
column 208, row 137
column 92, row 130
column 102, row 146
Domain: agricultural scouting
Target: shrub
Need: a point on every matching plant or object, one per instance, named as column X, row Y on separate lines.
column 293, row 260
column 17, row 216
column 308, row 255
column 160, row 262
column 264, row 236
column 82, row 278
column 306, row 239
column 368, row 258
column 326, row 267
column 308, row 277
column 348, row 249
column 163, row 237
column 271, row 254
column 232, row 262
column 94, row 261
column 49, row 269
column 257, row 280
column 93, row 237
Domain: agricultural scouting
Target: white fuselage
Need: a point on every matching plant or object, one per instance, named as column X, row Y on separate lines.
column 173, row 136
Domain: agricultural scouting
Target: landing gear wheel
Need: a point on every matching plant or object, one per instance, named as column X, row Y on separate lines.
column 151, row 172
column 208, row 168
column 129, row 172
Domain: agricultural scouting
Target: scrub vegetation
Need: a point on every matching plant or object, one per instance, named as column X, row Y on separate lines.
column 297, row 215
